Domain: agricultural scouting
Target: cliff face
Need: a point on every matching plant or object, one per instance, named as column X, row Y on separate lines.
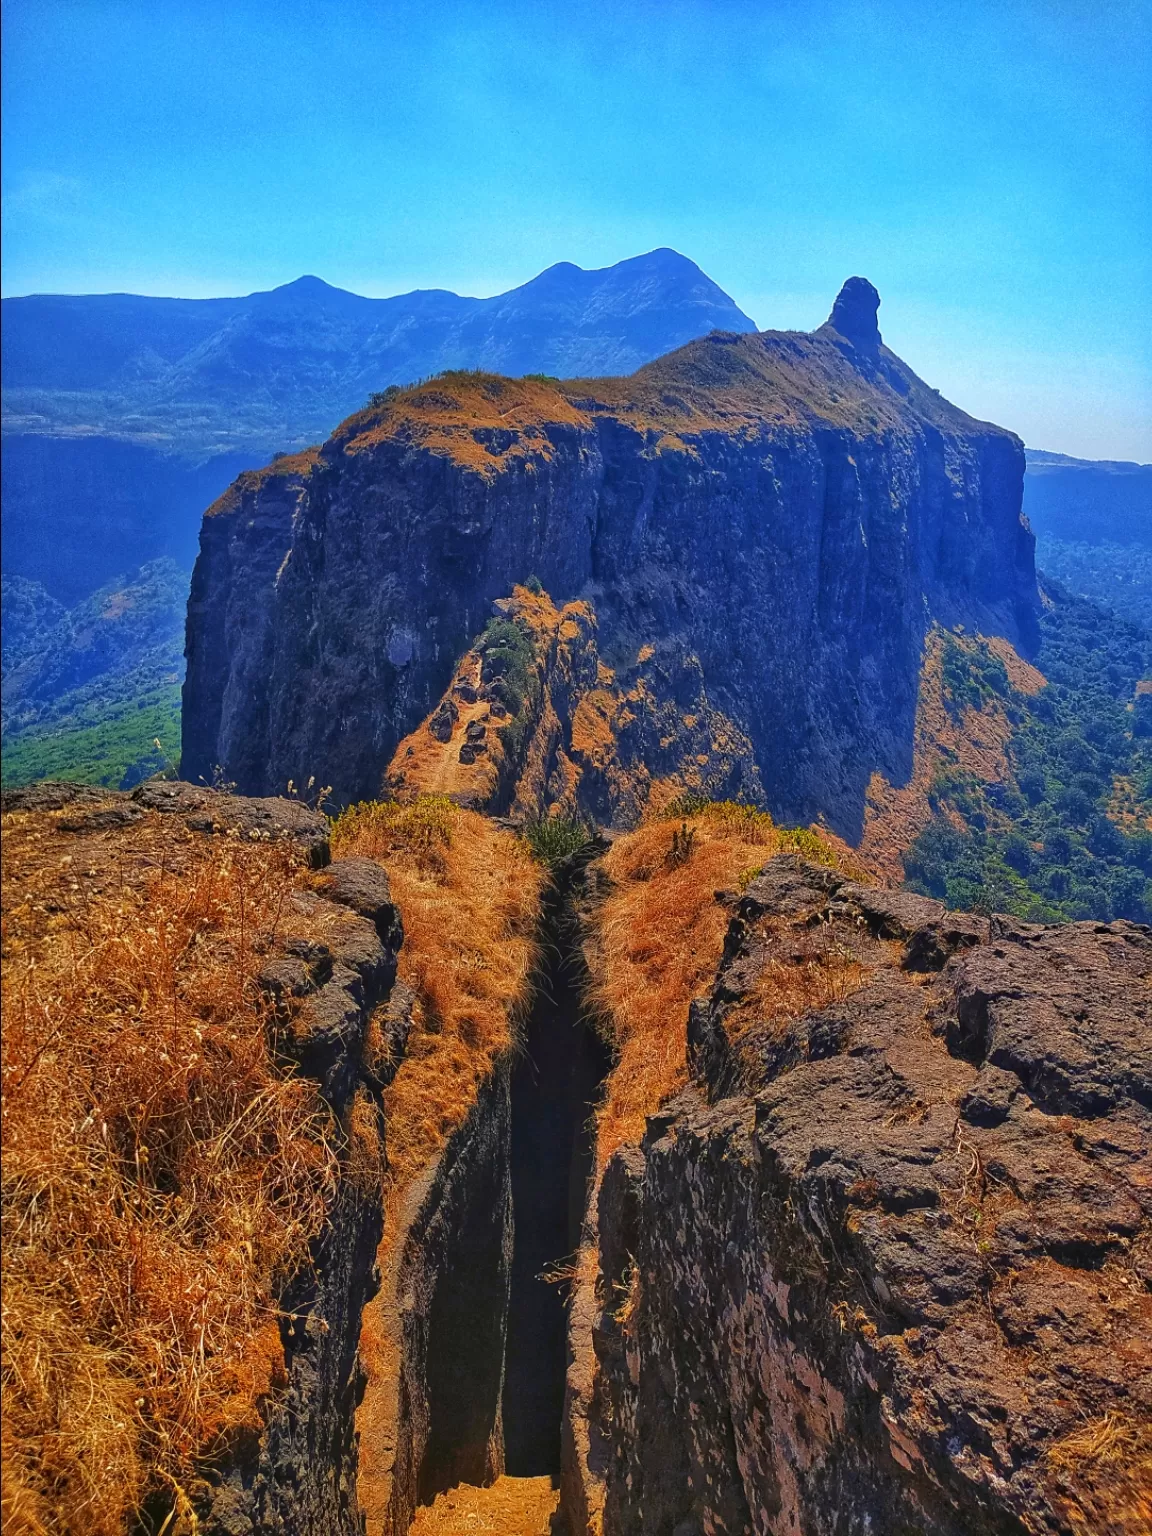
column 883, row 1265
column 774, row 519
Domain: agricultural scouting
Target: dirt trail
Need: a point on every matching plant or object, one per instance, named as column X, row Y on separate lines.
column 512, row 1506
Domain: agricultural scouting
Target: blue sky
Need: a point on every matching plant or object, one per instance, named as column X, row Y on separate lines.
column 987, row 163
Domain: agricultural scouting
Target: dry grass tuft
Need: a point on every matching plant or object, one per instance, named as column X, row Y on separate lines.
column 817, row 971
column 1107, row 1466
column 658, row 939
column 160, row 1172
column 469, row 894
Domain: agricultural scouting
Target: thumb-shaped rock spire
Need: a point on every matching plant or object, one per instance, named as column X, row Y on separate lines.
column 854, row 314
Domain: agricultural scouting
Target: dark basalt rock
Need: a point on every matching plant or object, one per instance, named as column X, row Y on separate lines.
column 52, row 795
column 107, row 819
column 854, row 314
column 443, row 719
column 886, row 1261
column 269, row 818
column 362, row 884
column 774, row 518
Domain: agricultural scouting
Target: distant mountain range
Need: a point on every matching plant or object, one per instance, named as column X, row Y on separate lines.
column 124, row 417
column 277, row 370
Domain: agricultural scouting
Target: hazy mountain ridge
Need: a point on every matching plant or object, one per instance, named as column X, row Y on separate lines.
column 125, row 416
column 279, row 368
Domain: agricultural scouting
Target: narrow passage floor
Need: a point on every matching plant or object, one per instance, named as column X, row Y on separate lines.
column 512, row 1506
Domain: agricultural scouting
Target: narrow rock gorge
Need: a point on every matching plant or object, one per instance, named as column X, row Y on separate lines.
column 879, row 1262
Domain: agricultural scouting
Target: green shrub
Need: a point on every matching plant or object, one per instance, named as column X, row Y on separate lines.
column 380, row 397
column 555, row 839
column 507, row 654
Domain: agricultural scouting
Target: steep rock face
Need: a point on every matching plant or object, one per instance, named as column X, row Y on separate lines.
column 884, row 1265
column 533, row 722
column 777, row 516
column 433, row 1336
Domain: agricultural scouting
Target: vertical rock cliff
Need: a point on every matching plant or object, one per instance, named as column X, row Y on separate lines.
column 774, row 519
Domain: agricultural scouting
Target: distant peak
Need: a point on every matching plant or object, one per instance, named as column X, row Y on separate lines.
column 854, row 314
column 307, row 281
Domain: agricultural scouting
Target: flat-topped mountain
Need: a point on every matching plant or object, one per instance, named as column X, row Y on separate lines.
column 764, row 526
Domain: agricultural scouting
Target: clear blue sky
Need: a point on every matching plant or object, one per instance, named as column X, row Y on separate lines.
column 986, row 163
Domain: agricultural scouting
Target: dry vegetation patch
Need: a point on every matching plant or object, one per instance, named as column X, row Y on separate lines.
column 658, row 937
column 469, row 894
column 810, row 969
column 161, row 1173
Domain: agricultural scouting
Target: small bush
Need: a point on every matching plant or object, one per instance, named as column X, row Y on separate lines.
column 682, row 847
column 506, row 662
column 688, row 804
column 554, row 839
column 380, row 397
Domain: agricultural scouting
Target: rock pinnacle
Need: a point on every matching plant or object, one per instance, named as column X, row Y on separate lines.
column 854, row 314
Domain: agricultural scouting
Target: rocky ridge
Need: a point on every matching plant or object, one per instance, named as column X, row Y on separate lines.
column 778, row 516
column 884, row 1264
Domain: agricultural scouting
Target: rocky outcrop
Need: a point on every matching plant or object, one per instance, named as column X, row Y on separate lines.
column 771, row 520
column 884, row 1265
column 92, row 808
column 298, row 1476
column 541, row 725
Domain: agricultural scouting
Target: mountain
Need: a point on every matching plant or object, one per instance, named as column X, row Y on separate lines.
column 1095, row 501
column 125, row 416
column 763, row 527
column 1093, row 526
column 275, row 370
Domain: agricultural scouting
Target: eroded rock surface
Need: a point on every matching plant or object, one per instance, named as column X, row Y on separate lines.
column 769, row 523
column 884, row 1265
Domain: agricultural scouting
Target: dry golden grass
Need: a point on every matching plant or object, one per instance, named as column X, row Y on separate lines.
column 1108, row 1465
column 511, row 1506
column 817, row 971
column 658, row 939
column 160, row 1173
column 469, row 894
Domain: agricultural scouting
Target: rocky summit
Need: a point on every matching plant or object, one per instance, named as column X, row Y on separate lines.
column 768, row 523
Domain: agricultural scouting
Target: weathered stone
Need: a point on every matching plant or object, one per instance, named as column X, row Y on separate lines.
column 444, row 717
column 772, row 521
column 53, row 795
column 271, row 819
column 362, row 884
column 881, row 1259
column 106, row 819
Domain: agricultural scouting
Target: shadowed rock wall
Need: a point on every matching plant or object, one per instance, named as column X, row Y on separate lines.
column 777, row 516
